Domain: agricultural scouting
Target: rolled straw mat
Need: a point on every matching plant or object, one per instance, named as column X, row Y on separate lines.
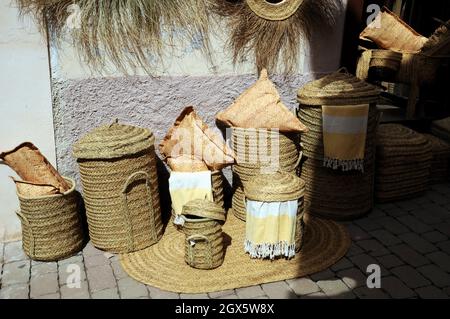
column 163, row 265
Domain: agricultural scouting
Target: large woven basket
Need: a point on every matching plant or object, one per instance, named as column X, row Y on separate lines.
column 203, row 230
column 279, row 187
column 404, row 160
column 261, row 151
column 51, row 225
column 120, row 183
column 335, row 194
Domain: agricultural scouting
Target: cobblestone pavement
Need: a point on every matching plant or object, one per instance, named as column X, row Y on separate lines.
column 410, row 240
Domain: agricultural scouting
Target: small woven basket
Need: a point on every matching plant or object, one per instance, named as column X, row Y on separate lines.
column 120, row 184
column 202, row 226
column 51, row 225
column 384, row 65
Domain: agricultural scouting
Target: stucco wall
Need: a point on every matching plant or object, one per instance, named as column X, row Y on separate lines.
column 25, row 103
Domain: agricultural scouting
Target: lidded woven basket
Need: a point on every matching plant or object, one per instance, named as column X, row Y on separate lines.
column 51, row 225
column 120, row 185
column 202, row 226
column 280, row 187
column 325, row 187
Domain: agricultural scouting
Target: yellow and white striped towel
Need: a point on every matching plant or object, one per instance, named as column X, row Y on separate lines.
column 270, row 229
column 344, row 136
column 185, row 187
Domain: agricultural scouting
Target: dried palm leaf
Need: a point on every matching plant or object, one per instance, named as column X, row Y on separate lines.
column 130, row 34
column 272, row 30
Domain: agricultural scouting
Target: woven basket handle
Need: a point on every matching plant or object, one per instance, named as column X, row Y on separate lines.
column 26, row 223
column 191, row 252
column 141, row 175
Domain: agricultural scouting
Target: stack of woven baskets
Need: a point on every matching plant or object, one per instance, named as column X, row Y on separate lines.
column 403, row 163
column 331, row 193
column 258, row 151
column 440, row 164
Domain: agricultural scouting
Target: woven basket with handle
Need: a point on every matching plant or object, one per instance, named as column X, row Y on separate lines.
column 202, row 226
column 120, row 185
column 51, row 225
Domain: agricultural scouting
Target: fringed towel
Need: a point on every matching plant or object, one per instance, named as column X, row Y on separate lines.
column 344, row 136
column 270, row 229
column 185, row 187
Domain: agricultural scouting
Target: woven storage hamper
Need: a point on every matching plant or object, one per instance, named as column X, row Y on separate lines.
column 404, row 160
column 51, row 225
column 279, row 187
column 120, row 184
column 331, row 193
column 202, row 226
column 258, row 151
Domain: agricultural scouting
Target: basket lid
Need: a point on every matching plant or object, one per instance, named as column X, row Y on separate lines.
column 339, row 88
column 204, row 208
column 113, row 141
column 276, row 187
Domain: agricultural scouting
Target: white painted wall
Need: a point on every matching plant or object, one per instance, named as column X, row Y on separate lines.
column 25, row 103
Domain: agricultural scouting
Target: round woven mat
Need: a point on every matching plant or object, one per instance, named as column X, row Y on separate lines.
column 163, row 265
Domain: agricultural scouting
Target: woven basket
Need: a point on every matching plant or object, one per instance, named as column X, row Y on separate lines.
column 261, row 151
column 335, row 194
column 384, row 64
column 279, row 187
column 440, row 164
column 120, row 184
column 403, row 167
column 204, row 239
column 51, row 225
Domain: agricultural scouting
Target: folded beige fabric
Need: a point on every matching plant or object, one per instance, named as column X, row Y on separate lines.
column 191, row 137
column 28, row 162
column 186, row 164
column 388, row 31
column 32, row 190
column 260, row 106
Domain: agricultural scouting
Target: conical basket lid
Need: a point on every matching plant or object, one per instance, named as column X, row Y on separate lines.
column 204, row 208
column 277, row 187
column 339, row 88
column 113, row 141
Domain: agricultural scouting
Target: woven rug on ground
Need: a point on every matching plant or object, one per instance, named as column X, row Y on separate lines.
column 163, row 265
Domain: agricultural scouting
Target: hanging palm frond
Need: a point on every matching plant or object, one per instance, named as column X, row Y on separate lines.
column 130, row 34
column 272, row 30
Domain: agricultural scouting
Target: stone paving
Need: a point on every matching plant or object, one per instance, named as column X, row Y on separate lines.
column 409, row 240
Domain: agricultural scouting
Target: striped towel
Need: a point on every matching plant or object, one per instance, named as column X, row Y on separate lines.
column 344, row 136
column 270, row 229
column 184, row 187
